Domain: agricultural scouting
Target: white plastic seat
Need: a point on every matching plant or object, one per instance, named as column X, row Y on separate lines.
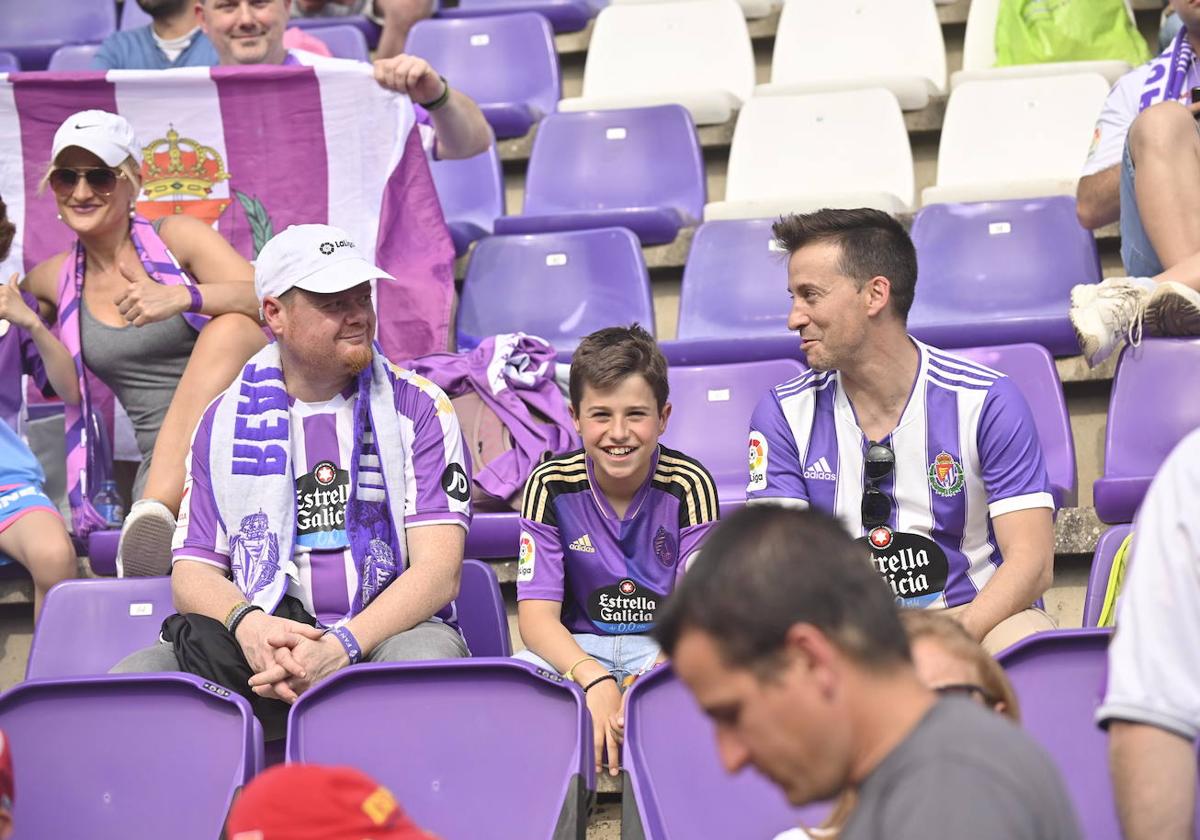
column 798, row 153
column 752, row 9
column 896, row 44
column 979, row 53
column 695, row 53
column 1016, row 138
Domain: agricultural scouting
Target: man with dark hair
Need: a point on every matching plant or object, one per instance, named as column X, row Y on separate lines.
column 790, row 644
column 931, row 459
column 171, row 39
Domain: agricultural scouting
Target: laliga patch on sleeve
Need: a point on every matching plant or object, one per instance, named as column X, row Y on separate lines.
column 526, row 556
column 758, row 462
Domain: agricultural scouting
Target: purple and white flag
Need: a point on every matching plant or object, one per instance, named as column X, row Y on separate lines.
column 252, row 150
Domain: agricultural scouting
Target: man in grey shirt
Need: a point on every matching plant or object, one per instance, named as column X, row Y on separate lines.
column 791, row 643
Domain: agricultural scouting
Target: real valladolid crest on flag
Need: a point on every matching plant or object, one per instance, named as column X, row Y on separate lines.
column 251, row 151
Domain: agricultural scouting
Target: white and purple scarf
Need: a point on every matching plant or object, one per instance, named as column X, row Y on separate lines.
column 253, row 481
column 87, row 467
column 1175, row 70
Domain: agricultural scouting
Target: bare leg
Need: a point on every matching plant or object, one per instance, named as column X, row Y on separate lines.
column 221, row 350
column 1165, row 146
column 39, row 542
column 398, row 17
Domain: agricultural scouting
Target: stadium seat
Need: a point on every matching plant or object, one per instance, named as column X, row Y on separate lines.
column 1059, row 678
column 712, row 405
column 493, row 535
column 33, row 31
column 73, row 58
column 472, row 194
column 344, row 41
column 131, row 755
column 456, row 741
column 560, row 286
column 1032, row 370
column 639, row 168
column 1152, row 408
column 9, row 63
column 1016, row 138
column 89, row 625
column 1102, row 560
column 1000, row 273
column 979, row 54
column 132, row 16
column 102, row 551
column 369, row 28
column 481, row 614
column 798, row 153
column 564, row 15
column 897, row 44
column 695, row 53
column 675, row 787
column 507, row 64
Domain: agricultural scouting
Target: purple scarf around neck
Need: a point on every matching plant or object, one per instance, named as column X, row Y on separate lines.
column 1176, row 71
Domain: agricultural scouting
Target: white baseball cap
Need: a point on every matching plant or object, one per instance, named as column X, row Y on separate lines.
column 108, row 136
column 316, row 258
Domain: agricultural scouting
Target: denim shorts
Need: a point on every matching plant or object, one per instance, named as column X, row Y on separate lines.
column 623, row 656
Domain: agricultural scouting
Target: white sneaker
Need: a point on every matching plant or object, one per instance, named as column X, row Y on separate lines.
column 145, row 546
column 1107, row 313
column 1173, row 310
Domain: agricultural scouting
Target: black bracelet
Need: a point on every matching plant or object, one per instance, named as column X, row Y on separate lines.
column 441, row 100
column 597, row 681
column 237, row 619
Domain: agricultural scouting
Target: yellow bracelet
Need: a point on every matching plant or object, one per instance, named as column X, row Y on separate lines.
column 570, row 672
column 234, row 609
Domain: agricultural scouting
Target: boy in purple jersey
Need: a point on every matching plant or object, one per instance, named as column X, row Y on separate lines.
column 608, row 530
column 327, row 497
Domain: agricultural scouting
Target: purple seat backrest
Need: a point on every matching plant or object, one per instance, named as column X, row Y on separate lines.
column 344, row 41
column 710, row 416
column 471, row 190
column 494, row 60
column 33, row 31
column 481, row 614
column 1032, row 370
column 118, row 756
column 560, row 286
column 1000, row 272
column 605, row 160
column 73, row 58
column 734, row 283
column 132, row 16
column 1102, row 560
column 366, row 26
column 9, row 63
column 88, row 626
column 676, row 779
column 441, row 735
column 563, row 15
column 1152, row 408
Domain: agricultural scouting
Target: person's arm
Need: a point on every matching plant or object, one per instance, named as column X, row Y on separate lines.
column 56, row 359
column 1098, row 198
column 225, row 279
column 461, row 129
column 1154, row 777
column 776, row 474
column 1026, row 542
column 1098, row 195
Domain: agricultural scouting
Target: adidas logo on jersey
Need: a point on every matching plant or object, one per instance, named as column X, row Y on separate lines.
column 820, row 471
column 583, row 544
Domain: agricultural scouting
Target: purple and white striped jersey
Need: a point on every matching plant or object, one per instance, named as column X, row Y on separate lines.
column 966, row 451
column 325, row 577
column 611, row 574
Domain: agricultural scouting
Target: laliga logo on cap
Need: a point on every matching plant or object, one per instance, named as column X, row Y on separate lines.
column 328, row 248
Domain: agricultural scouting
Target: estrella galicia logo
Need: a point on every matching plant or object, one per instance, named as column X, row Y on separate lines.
column 455, row 482
column 328, row 248
column 626, row 607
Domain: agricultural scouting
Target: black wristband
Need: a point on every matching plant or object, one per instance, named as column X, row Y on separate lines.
column 237, row 619
column 597, row 681
column 441, row 100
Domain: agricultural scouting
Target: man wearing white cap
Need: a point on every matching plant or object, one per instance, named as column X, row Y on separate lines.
column 327, row 496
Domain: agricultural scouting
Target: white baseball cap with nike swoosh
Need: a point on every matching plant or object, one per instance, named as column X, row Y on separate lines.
column 108, row 136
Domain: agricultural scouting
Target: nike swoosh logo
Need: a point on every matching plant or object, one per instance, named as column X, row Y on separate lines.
column 78, row 126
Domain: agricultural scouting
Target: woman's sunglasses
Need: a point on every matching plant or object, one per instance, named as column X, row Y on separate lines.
column 877, row 505
column 100, row 179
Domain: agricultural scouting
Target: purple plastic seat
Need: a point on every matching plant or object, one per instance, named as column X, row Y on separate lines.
column 72, row 58
column 9, row 62
column 139, row 772
column 493, row 535
column 366, row 26
column 481, row 613
column 560, row 286
column 472, row 195
column 102, row 551
column 710, row 418
column 639, row 168
column 33, row 31
column 1102, row 560
column 507, row 64
column 675, row 786
column 1000, row 272
column 473, row 748
column 88, row 626
column 132, row 16
column 1032, row 369
column 563, row 15
column 1152, row 407
column 344, row 41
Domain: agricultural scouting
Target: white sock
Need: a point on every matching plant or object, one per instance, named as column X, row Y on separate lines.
column 1147, row 283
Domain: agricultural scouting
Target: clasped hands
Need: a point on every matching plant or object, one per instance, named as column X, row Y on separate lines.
column 287, row 657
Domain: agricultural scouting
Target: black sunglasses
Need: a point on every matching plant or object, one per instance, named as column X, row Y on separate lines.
column 100, row 179
column 877, row 505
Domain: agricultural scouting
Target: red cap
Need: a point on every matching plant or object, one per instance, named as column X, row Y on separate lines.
column 7, row 791
column 310, row 802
